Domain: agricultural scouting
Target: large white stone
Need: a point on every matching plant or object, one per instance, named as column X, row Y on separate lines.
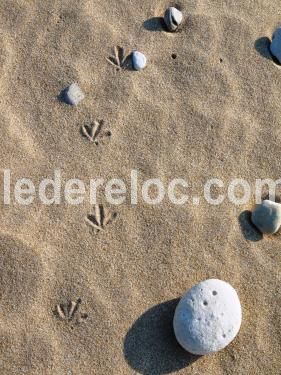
column 275, row 46
column 208, row 317
column 267, row 217
column 139, row 60
column 73, row 94
column 173, row 18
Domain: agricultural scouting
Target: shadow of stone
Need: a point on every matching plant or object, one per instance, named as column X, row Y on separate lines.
column 262, row 46
column 154, row 24
column 128, row 63
column 250, row 232
column 62, row 97
column 150, row 346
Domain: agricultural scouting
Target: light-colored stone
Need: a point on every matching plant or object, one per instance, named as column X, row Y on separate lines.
column 208, row 317
column 74, row 94
column 139, row 60
column 173, row 18
column 267, row 217
column 275, row 46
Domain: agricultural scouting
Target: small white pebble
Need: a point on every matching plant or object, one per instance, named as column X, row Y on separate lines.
column 208, row 317
column 267, row 217
column 139, row 60
column 275, row 46
column 173, row 18
column 74, row 94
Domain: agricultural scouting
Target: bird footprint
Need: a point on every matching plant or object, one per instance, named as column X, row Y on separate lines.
column 101, row 218
column 120, row 58
column 95, row 132
column 70, row 311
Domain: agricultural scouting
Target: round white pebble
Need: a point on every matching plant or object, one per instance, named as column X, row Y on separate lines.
column 73, row 94
column 139, row 60
column 208, row 317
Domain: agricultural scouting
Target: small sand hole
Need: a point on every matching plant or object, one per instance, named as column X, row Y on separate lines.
column 174, row 56
column 108, row 133
column 215, row 292
column 205, row 303
column 221, row 60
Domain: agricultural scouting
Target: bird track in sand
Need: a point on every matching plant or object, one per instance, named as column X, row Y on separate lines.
column 94, row 132
column 70, row 311
column 120, row 58
column 101, row 218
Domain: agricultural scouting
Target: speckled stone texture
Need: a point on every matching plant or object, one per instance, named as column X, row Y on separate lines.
column 73, row 94
column 208, row 317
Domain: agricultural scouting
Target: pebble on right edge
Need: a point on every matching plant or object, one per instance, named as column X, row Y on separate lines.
column 267, row 217
column 173, row 18
column 275, row 46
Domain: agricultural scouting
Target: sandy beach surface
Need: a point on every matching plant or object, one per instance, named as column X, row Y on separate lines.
column 210, row 110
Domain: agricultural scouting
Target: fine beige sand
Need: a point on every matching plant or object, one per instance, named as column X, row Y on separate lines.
column 213, row 111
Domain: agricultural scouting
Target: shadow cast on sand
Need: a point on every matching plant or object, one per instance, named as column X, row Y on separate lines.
column 150, row 346
column 154, row 24
column 62, row 97
column 250, row 232
column 128, row 64
column 262, row 46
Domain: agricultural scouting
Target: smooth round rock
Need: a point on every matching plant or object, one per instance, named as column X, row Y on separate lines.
column 139, row 60
column 173, row 18
column 267, row 217
column 275, row 47
column 208, row 317
column 73, row 95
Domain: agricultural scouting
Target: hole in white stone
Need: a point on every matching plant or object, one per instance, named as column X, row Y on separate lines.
column 215, row 292
column 205, row 303
column 224, row 336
